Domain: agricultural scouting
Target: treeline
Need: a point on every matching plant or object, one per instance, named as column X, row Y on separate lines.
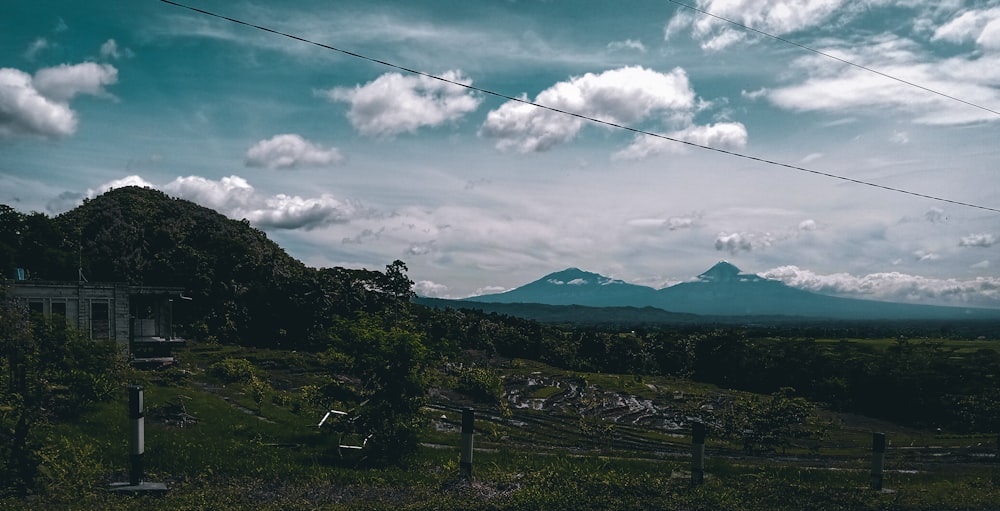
column 925, row 384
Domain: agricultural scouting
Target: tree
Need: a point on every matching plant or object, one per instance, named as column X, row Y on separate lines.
column 49, row 372
column 389, row 362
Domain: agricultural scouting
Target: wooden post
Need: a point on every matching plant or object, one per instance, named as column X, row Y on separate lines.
column 878, row 460
column 697, row 453
column 137, row 444
column 468, row 428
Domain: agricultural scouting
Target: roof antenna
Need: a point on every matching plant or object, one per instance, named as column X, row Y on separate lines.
column 79, row 246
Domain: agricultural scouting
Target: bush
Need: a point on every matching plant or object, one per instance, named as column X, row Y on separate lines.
column 233, row 370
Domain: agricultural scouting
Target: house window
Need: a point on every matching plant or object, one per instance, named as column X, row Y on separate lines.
column 100, row 320
column 59, row 308
column 36, row 307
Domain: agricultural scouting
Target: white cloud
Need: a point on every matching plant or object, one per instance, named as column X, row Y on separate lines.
column 776, row 17
column 923, row 255
column 394, row 104
column 234, row 197
column 110, row 50
column 981, row 26
column 978, row 240
column 63, row 82
column 24, row 111
column 430, row 289
column 673, row 223
column 893, row 286
column 39, row 105
column 574, row 282
column 742, row 242
column 488, row 290
column 836, row 89
column 288, row 151
column 628, row 44
column 808, row 225
column 622, row 96
column 723, row 135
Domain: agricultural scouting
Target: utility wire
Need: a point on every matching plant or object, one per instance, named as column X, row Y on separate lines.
column 834, row 57
column 580, row 116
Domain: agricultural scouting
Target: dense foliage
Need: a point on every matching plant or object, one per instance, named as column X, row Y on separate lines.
column 49, row 373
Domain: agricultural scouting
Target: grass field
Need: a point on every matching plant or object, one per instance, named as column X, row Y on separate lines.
column 216, row 447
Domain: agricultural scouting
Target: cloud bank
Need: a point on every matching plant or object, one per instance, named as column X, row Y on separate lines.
column 893, row 286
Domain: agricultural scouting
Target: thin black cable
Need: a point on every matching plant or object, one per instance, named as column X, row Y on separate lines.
column 834, row 57
column 580, row 116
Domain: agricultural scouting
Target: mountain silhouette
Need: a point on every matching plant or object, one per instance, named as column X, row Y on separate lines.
column 722, row 290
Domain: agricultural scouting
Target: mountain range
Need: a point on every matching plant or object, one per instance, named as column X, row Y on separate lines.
column 723, row 290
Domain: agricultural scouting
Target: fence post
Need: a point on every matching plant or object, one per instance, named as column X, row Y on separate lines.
column 468, row 428
column 878, row 460
column 697, row 453
column 137, row 448
column 136, row 484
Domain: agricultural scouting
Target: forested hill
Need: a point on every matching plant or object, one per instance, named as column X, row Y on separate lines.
column 244, row 286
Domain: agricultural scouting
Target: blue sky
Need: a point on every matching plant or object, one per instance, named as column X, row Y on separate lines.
column 346, row 162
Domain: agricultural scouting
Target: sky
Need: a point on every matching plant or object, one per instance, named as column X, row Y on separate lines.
column 345, row 161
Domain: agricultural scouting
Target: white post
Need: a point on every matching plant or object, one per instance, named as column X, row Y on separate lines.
column 137, row 443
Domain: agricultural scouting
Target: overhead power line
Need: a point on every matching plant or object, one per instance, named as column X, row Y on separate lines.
column 580, row 116
column 834, row 57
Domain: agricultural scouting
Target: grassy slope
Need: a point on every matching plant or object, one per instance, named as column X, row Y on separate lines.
column 238, row 456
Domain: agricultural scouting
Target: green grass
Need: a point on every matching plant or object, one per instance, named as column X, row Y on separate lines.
column 239, row 456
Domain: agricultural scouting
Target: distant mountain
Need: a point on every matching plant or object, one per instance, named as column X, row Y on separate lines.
column 576, row 287
column 723, row 290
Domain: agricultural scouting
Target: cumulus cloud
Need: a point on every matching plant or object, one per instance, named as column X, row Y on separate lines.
column 808, row 225
column 623, row 96
column 62, row 83
column 777, row 17
column 723, row 135
column 394, row 104
column 24, row 111
column 430, row 289
column 236, row 198
column 738, row 242
column 39, row 105
column 978, row 240
column 893, row 286
column 289, row 151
